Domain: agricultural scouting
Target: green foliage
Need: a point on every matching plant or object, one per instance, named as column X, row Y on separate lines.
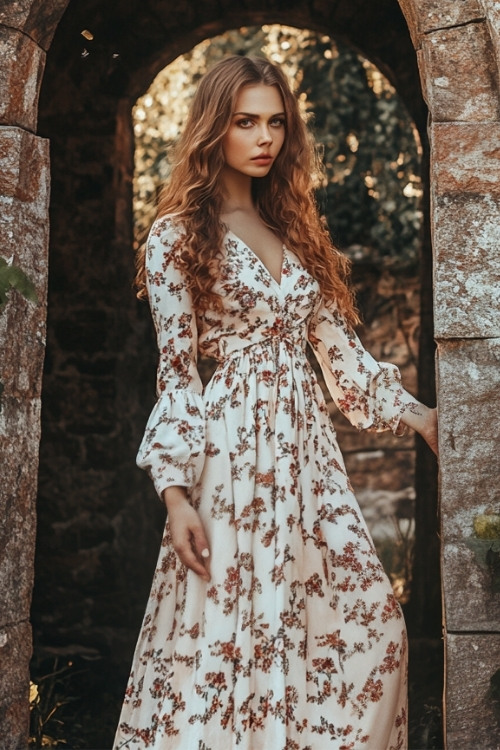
column 11, row 277
column 370, row 145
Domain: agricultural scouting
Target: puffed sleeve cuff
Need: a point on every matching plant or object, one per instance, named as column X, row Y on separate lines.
column 370, row 395
column 173, row 447
column 387, row 401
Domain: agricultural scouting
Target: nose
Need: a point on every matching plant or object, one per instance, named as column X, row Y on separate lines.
column 265, row 135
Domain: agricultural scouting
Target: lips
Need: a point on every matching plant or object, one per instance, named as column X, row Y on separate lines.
column 263, row 158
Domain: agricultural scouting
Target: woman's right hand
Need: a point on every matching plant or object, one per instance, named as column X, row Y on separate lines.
column 187, row 532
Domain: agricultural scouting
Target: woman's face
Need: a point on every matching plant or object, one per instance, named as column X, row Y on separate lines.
column 257, row 131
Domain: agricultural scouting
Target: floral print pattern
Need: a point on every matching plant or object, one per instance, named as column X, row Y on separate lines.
column 297, row 642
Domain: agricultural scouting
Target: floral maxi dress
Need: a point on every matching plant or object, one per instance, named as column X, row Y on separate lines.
column 297, row 642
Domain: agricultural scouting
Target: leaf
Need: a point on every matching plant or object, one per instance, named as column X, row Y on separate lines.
column 12, row 277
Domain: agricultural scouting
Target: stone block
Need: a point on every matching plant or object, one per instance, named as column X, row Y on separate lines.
column 15, row 653
column 19, row 439
column 23, row 62
column 467, row 270
column 25, row 236
column 37, row 19
column 466, row 157
column 459, row 74
column 24, row 167
column 472, row 595
column 22, row 347
column 428, row 15
column 466, row 217
column 472, row 700
column 469, row 408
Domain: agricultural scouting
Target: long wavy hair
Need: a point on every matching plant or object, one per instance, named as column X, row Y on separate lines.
column 284, row 198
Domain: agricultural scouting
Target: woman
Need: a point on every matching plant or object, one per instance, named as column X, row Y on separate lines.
column 271, row 624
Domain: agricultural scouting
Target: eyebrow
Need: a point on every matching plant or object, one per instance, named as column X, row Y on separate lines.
column 252, row 114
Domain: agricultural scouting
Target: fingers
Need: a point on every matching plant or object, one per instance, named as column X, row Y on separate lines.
column 431, row 436
column 190, row 543
column 188, row 555
column 433, row 445
column 201, row 549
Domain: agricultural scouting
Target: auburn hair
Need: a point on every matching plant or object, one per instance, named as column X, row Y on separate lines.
column 284, row 198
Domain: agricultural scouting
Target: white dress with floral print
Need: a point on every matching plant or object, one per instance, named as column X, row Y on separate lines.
column 297, row 642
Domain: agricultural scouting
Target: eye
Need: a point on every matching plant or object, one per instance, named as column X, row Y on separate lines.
column 245, row 122
column 277, row 122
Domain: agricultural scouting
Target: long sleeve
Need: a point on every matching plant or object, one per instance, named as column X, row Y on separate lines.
column 367, row 392
column 172, row 450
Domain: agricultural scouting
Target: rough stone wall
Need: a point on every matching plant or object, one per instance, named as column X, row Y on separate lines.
column 458, row 50
column 24, row 197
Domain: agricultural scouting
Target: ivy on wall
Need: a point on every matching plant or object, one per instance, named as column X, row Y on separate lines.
column 372, row 190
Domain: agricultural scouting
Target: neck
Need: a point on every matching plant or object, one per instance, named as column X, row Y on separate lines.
column 237, row 189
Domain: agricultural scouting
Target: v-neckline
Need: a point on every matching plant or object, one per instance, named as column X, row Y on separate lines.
column 259, row 260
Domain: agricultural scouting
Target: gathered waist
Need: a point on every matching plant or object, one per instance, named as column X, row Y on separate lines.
column 275, row 345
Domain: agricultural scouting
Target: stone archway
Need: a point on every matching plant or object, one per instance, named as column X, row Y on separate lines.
column 458, row 49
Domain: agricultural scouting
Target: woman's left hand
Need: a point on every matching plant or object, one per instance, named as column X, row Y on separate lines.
column 430, row 432
column 423, row 420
